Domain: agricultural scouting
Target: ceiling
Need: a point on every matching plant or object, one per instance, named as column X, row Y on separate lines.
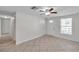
column 62, row 10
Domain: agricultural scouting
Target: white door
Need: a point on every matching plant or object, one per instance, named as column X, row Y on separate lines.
column 5, row 26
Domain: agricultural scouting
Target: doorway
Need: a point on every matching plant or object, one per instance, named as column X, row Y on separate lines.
column 7, row 31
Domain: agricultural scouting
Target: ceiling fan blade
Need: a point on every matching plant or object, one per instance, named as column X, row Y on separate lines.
column 54, row 12
column 42, row 11
column 51, row 9
column 34, row 8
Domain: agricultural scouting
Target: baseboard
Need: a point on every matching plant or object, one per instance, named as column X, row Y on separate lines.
column 46, row 34
column 63, row 37
column 28, row 40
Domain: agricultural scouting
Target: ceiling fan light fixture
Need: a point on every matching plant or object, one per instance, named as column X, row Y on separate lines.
column 47, row 13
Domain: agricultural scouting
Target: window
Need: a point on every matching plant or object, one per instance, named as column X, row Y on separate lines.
column 66, row 26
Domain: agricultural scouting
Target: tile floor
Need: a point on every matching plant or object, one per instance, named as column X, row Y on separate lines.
column 45, row 43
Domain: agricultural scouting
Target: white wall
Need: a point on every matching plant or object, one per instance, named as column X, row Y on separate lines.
column 54, row 28
column 0, row 27
column 12, row 28
column 28, row 27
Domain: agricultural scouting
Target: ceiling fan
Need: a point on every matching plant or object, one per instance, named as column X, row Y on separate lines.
column 46, row 11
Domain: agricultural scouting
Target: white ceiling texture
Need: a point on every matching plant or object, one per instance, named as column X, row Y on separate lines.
column 61, row 10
